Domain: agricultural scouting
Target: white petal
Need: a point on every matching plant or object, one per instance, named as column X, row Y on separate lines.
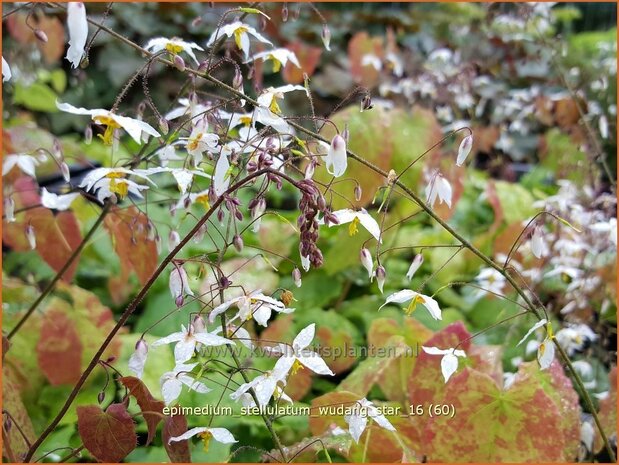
column 222, row 435
column 193, row 384
column 6, row 71
column 221, row 180
column 314, row 362
column 383, row 422
column 305, row 337
column 170, row 390
column 135, row 127
column 221, row 309
column 534, row 328
column 369, row 223
column 399, row 297
column 344, row 216
column 537, row 243
column 57, row 202
column 188, row 434
column 174, row 337
column 137, row 362
column 265, row 388
column 415, row 265
column 184, row 349
column 183, row 179
column 357, row 424
column 78, row 32
column 209, row 339
column 443, row 189
column 436, row 350
column 179, row 282
column 336, row 159
column 464, row 149
column 432, row 307
column 67, row 107
column 282, row 366
column 449, row 365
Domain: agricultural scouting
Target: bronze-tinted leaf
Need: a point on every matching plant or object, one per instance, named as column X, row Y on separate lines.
column 151, row 407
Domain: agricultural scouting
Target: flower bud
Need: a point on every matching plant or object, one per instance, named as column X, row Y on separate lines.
column 57, row 150
column 296, row 277
column 173, row 240
column 179, row 301
column 238, row 243
column 358, row 192
column 381, row 274
column 101, row 397
column 9, row 209
column 237, row 81
column 326, row 36
column 40, row 35
column 64, row 169
column 196, row 21
column 367, row 262
column 179, row 63
column 164, row 127
column 285, row 12
column 199, row 326
column 366, row 103
column 88, row 134
column 417, row 261
column 32, row 240
column 464, row 149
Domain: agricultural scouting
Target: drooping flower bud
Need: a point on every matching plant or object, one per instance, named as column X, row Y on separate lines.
column 138, row 358
column 464, row 149
column 88, row 135
column 285, row 12
column 237, row 81
column 40, row 35
column 66, row 173
column 198, row 324
column 326, row 36
column 336, row 159
column 179, row 284
column 173, row 240
column 32, row 240
column 9, row 209
column 164, row 127
column 537, row 242
column 367, row 262
column 296, row 276
column 238, row 243
column 101, row 397
column 179, row 63
column 366, row 103
column 57, row 150
column 358, row 192
column 381, row 274
column 417, row 261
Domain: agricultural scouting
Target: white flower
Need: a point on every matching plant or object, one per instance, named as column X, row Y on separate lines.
column 609, row 227
column 299, row 356
column 449, row 362
column 241, row 32
column 574, row 337
column 369, row 59
column 255, row 305
column 464, row 149
column 395, row 63
column 201, row 140
column 187, row 341
column 603, row 125
column 545, row 349
column 179, row 284
column 415, row 264
column 305, row 262
column 280, row 57
column 138, row 358
column 357, row 421
column 26, row 163
column 78, row 32
column 587, row 434
column 490, row 280
column 440, row 188
column 356, row 217
column 415, row 298
column 172, row 382
column 538, row 246
column 336, row 160
column 367, row 261
column 57, row 202
column 107, row 182
column 174, row 46
column 6, row 71
column 205, row 434
column 268, row 98
column 264, row 386
column 112, row 121
column 183, row 177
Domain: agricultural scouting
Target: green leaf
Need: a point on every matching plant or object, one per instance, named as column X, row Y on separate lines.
column 37, row 97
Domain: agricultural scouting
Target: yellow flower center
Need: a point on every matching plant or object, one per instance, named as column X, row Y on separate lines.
column 110, row 125
column 413, row 305
column 203, row 200
column 206, row 439
column 277, row 65
column 246, row 120
column 238, row 34
column 193, row 143
column 542, row 349
column 119, row 187
column 274, row 107
column 173, row 48
column 296, row 366
column 353, row 227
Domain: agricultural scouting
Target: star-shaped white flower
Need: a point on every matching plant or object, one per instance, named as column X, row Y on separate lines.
column 297, row 356
column 174, row 46
column 358, row 420
column 545, row 349
column 188, row 339
column 449, row 362
column 416, row 298
column 107, row 182
column 112, row 121
column 356, row 217
column 26, row 163
column 255, row 305
column 241, row 33
column 172, row 382
column 205, row 434
column 279, row 56
column 438, row 188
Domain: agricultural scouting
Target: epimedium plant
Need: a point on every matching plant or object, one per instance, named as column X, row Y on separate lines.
column 213, row 160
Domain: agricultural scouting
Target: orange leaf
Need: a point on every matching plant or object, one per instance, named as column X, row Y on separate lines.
column 148, row 404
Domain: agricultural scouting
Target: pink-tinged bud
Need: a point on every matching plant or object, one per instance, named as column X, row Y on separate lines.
column 358, row 192
column 138, row 358
column 88, row 134
column 101, row 397
column 238, row 243
column 8, row 423
column 198, row 324
column 381, row 274
column 237, row 81
column 336, row 160
column 285, row 12
column 179, row 301
column 158, row 243
column 164, row 127
column 64, row 169
column 196, row 21
column 366, row 103
column 141, row 347
column 296, row 277
column 199, row 236
column 259, row 208
column 326, row 36
column 367, row 262
column 464, row 149
column 40, row 35
column 179, row 63
column 57, row 150
column 9, row 209
column 309, row 170
column 32, row 240
column 296, row 12
column 140, row 110
column 346, row 134
column 417, row 262
column 173, row 240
